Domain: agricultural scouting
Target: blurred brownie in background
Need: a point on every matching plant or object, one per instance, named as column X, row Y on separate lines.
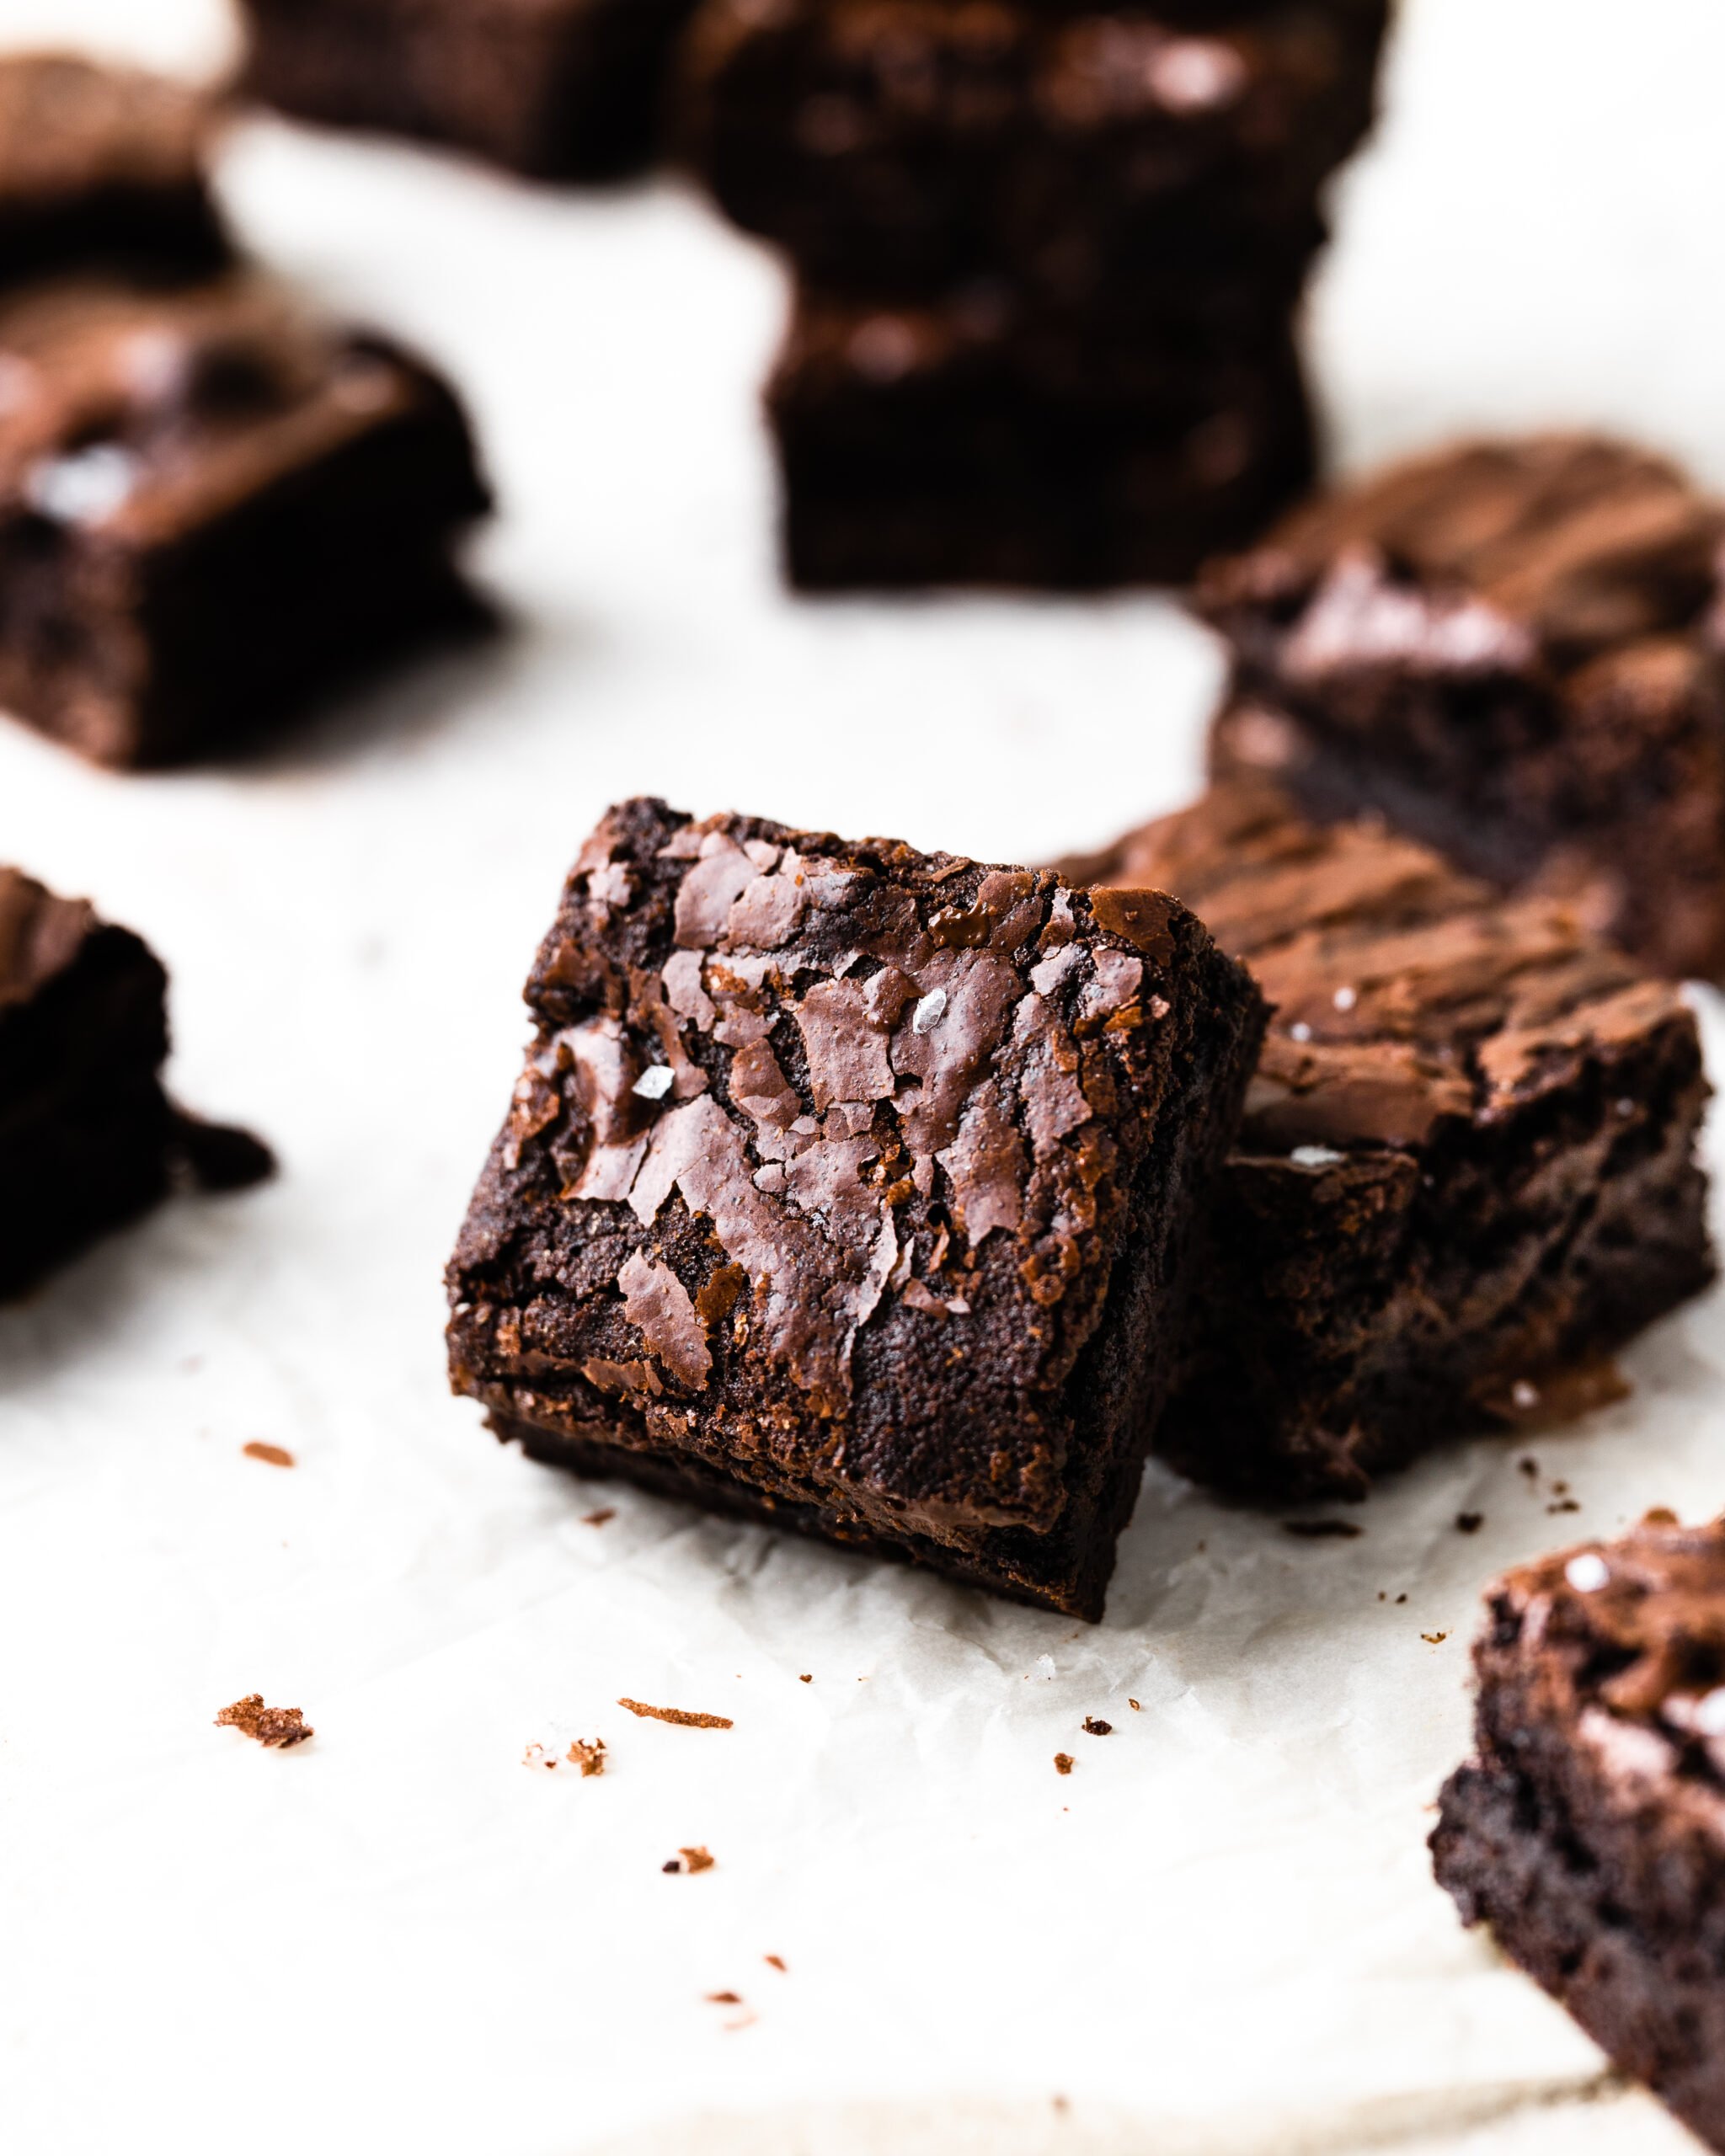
column 850, row 1188
column 1468, row 1162
column 558, row 89
column 212, row 504
column 1512, row 650
column 103, row 166
column 974, row 440
column 87, row 1138
column 1587, row 1831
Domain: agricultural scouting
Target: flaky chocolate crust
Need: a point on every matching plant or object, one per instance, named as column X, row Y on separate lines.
column 850, row 1176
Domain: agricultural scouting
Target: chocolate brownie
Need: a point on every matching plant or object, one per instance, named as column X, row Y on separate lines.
column 848, row 1187
column 103, row 166
column 1589, row 1830
column 893, row 145
column 87, row 1138
column 559, row 89
column 981, row 442
column 1512, row 650
column 1468, row 1155
column 212, row 504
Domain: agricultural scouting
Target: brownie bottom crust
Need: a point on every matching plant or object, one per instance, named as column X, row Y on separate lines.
column 1514, row 1859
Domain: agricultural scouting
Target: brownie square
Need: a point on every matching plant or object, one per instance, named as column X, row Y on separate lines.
column 893, row 145
column 848, row 1187
column 1510, row 648
column 211, row 505
column 981, row 442
column 103, row 166
column 88, row 1140
column 558, row 89
column 1468, row 1160
column 1588, row 1829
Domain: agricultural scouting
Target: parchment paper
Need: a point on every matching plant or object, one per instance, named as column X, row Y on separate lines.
column 1219, row 1934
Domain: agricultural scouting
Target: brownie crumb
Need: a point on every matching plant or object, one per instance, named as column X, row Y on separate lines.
column 681, row 1715
column 1469, row 1522
column 1564, row 1505
column 277, row 1728
column 599, row 1519
column 806, row 1679
column 1092, row 1727
column 1063, row 1763
column 220, row 1156
column 1434, row 1639
column 724, row 1998
column 1323, row 1530
column 694, row 1860
column 271, row 1455
column 1530, row 1467
column 1400, row 1599
column 587, row 1755
column 776, row 1962
column 1134, row 1706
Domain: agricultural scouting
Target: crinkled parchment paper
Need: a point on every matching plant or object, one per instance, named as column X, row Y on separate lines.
column 1218, row 1933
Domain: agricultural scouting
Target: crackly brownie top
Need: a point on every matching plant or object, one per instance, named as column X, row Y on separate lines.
column 127, row 413
column 69, row 127
column 1404, row 994
column 1551, row 549
column 39, row 935
column 905, row 1090
column 1622, row 1643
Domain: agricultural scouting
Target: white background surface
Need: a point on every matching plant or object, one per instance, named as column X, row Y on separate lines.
column 1219, row 1934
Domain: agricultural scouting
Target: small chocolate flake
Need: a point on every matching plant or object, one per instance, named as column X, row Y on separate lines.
column 599, row 1519
column 681, row 1715
column 271, row 1455
column 587, row 1755
column 724, row 1998
column 275, row 1727
column 1063, row 1763
column 1469, row 1522
column 1092, row 1727
column 1434, row 1639
column 1323, row 1530
column 776, row 1962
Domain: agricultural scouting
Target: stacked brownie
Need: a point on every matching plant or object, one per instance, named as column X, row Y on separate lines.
column 213, row 503
column 1047, row 259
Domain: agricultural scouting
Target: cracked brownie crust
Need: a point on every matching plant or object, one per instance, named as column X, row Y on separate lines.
column 1468, row 1155
column 1588, row 1832
column 1511, row 648
column 851, row 1186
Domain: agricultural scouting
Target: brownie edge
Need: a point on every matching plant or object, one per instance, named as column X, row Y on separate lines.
column 850, row 1187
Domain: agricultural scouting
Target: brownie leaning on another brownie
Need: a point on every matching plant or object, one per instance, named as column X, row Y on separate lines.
column 558, row 89
column 849, row 1187
column 87, row 1138
column 213, row 503
column 103, row 166
column 1512, row 648
column 1468, row 1156
column 1589, row 1830
column 978, row 440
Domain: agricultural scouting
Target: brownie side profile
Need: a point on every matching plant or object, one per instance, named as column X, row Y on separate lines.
column 979, row 441
column 897, row 146
column 849, row 1187
column 1511, row 649
column 1468, row 1158
column 106, row 166
column 1589, row 1830
column 555, row 89
column 88, row 1140
column 212, row 505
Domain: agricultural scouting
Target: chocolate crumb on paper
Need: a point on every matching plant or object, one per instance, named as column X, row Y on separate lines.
column 1063, row 1763
column 1323, row 1530
column 776, row 1962
column 599, row 1519
column 806, row 1678
column 271, row 1455
column 587, row 1755
column 681, row 1715
column 1134, row 1706
column 1469, row 1522
column 690, row 1861
column 274, row 1727
column 1434, row 1639
column 1092, row 1727
column 724, row 1998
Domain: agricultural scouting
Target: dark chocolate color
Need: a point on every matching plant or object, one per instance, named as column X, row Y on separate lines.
column 559, row 89
column 1588, row 1831
column 894, row 145
column 1511, row 648
column 211, row 506
column 1468, row 1155
column 850, row 1186
column 103, row 166
column 982, row 441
